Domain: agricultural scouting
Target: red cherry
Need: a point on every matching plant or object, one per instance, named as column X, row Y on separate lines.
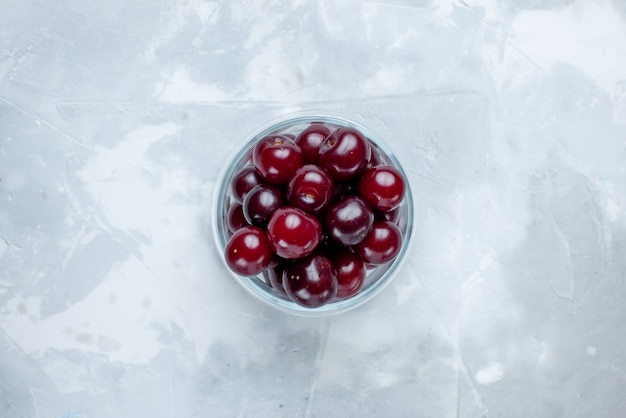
column 261, row 202
column 276, row 158
column 382, row 243
column 310, row 189
column 345, row 153
column 349, row 220
column 248, row 252
column 310, row 281
column 243, row 181
column 382, row 187
column 350, row 271
column 293, row 233
column 310, row 140
column 235, row 219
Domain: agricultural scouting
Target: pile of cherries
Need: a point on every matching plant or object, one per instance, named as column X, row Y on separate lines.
column 314, row 210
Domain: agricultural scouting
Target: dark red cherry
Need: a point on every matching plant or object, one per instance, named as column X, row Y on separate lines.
column 261, row 202
column 310, row 140
column 378, row 157
column 310, row 189
column 310, row 281
column 248, row 252
column 275, row 278
column 345, row 153
column 235, row 219
column 382, row 243
column 243, row 181
column 342, row 189
column 350, row 271
column 382, row 187
column 276, row 158
column 293, row 233
column 275, row 261
column 392, row 216
column 349, row 220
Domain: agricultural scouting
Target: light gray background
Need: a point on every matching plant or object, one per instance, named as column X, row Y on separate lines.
column 116, row 117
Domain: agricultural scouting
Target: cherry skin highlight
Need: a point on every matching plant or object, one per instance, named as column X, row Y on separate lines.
column 293, row 233
column 243, row 181
column 350, row 271
column 248, row 252
column 382, row 244
column 261, row 202
column 310, row 140
column 349, row 220
column 345, row 153
column 310, row 281
column 382, row 187
column 276, row 158
column 310, row 189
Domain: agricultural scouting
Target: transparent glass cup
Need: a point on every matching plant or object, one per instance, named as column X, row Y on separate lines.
column 259, row 286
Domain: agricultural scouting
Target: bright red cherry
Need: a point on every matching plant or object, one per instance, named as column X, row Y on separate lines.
column 248, row 252
column 310, row 281
column 349, row 220
column 293, row 233
column 310, row 140
column 350, row 271
column 276, row 158
column 310, row 189
column 243, row 181
column 382, row 243
column 345, row 153
column 382, row 187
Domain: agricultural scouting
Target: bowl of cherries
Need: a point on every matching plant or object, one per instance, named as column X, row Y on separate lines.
column 313, row 214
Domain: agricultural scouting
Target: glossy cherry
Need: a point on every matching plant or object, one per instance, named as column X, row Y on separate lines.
column 276, row 158
column 310, row 281
column 243, row 181
column 310, row 140
column 350, row 271
column 293, row 233
column 382, row 187
column 261, row 202
column 349, row 220
column 382, row 243
column 248, row 252
column 310, row 189
column 235, row 219
column 345, row 153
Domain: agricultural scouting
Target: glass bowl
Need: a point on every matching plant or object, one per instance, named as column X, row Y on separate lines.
column 377, row 277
